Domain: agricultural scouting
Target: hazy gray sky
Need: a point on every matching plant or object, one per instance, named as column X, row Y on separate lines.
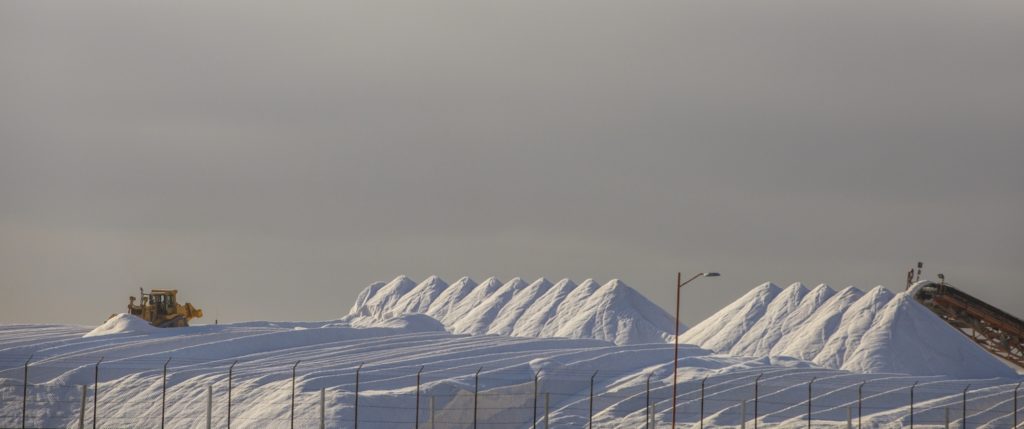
column 271, row 159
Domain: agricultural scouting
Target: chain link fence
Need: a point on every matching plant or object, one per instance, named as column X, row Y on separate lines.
column 144, row 394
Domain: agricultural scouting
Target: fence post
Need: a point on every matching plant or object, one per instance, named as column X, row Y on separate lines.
column 963, row 423
column 757, row 381
column 590, row 417
column 291, row 420
column 860, row 402
column 24, row 394
column 417, row 423
column 476, row 391
column 231, row 370
column 743, row 414
column 809, row 401
column 702, row 401
column 209, row 407
column 547, row 408
column 96, row 391
column 432, row 411
column 912, row 387
column 355, row 419
column 647, row 407
column 537, row 382
column 849, row 417
column 1015, row 389
column 947, row 418
column 323, row 406
column 163, row 395
column 654, row 414
column 81, row 415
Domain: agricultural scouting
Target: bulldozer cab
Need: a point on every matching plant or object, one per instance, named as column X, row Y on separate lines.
column 163, row 300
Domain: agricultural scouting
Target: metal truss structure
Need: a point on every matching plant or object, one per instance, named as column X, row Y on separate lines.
column 993, row 329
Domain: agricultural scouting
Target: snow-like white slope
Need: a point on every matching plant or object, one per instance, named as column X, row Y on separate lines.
column 521, row 300
column 451, row 296
column 856, row 321
column 726, row 327
column 543, row 309
column 759, row 339
column 569, row 307
column 419, row 298
column 818, row 328
column 619, row 314
column 874, row 332
column 794, row 325
column 477, row 295
column 122, row 323
column 365, row 295
column 908, row 338
column 482, row 316
column 329, row 353
column 405, row 322
column 382, row 302
column 613, row 312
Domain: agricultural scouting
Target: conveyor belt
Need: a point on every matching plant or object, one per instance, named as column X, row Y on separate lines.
column 993, row 329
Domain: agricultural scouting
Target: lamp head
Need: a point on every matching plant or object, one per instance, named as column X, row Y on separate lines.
column 712, row 274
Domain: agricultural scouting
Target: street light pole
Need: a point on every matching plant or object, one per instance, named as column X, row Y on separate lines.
column 675, row 363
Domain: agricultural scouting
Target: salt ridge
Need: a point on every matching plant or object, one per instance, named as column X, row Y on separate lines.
column 876, row 332
column 611, row 312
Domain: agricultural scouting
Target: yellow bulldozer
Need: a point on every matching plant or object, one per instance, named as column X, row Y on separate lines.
column 160, row 308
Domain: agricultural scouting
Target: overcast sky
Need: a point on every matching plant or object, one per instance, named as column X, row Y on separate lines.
column 269, row 160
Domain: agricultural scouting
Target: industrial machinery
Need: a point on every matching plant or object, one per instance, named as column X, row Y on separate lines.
column 993, row 329
column 160, row 308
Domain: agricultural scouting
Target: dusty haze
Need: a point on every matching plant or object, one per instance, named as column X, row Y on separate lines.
column 270, row 160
